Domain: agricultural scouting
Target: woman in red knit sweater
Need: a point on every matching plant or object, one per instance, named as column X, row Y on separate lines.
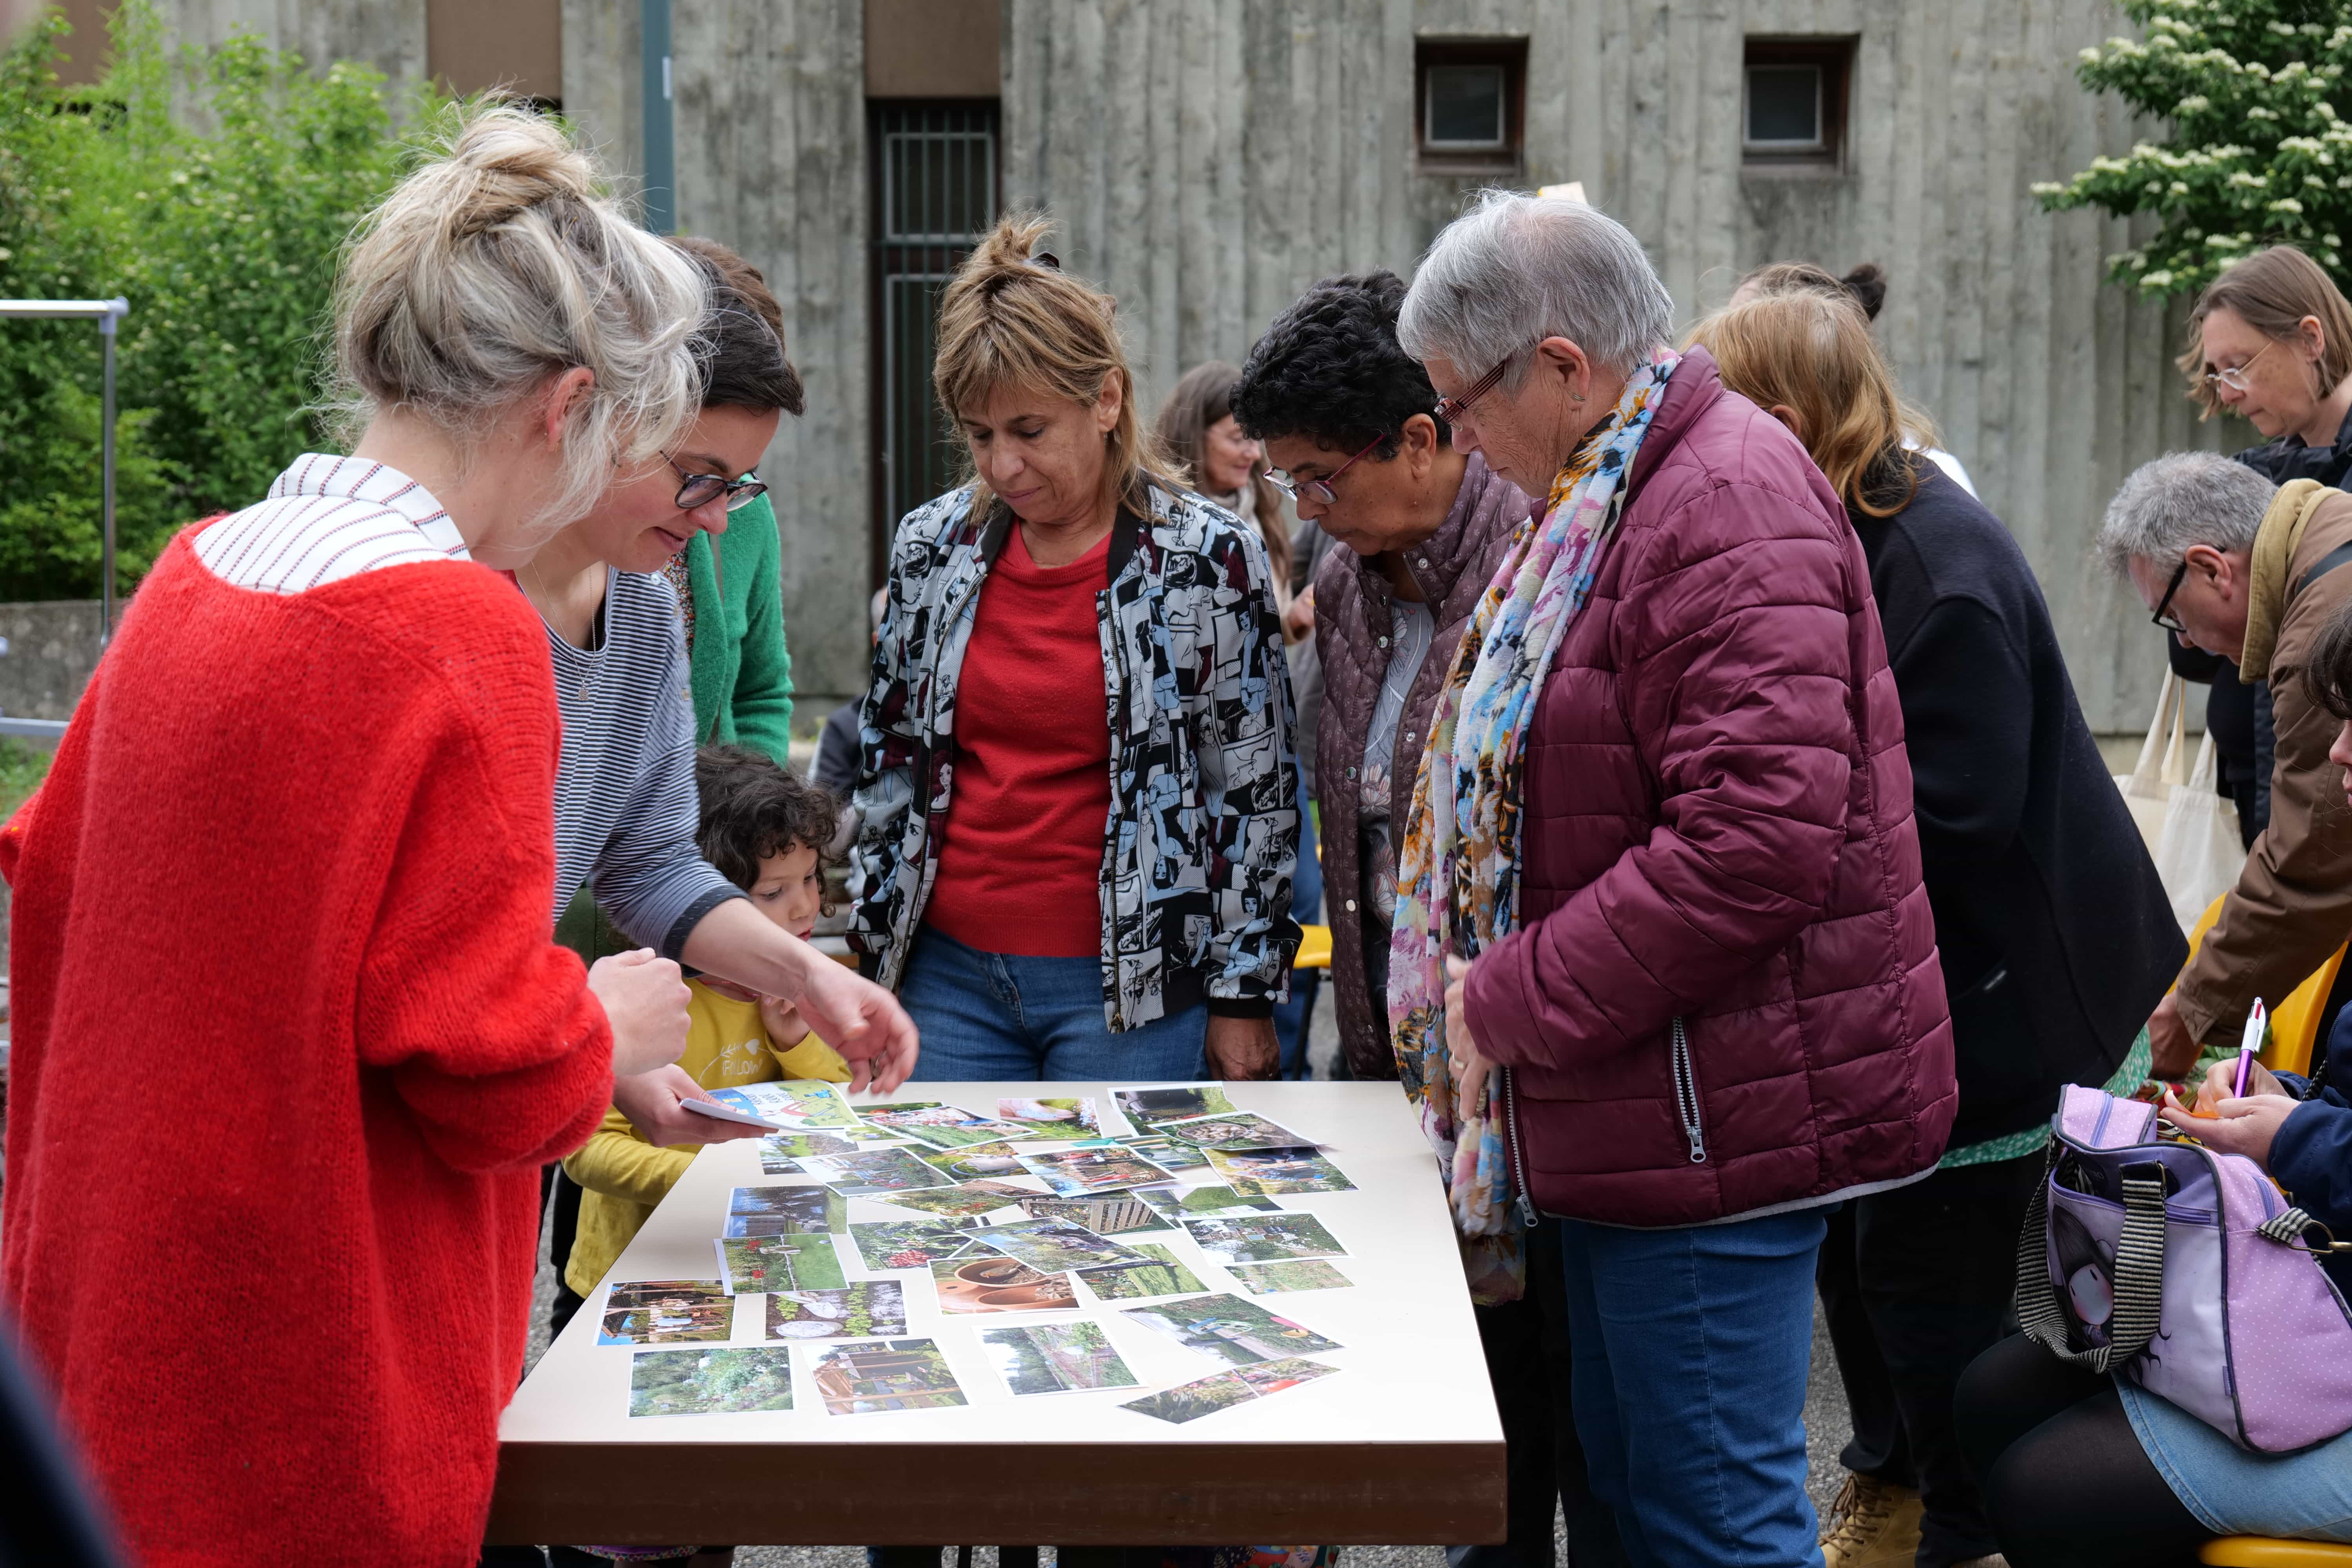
column 302, row 830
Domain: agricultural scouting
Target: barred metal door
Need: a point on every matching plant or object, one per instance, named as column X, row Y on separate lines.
column 934, row 178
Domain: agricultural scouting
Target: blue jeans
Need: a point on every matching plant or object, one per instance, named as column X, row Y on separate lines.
column 1691, row 1347
column 994, row 1018
column 1292, row 1018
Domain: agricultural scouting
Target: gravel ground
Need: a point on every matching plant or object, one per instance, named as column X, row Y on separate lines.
column 1826, row 1427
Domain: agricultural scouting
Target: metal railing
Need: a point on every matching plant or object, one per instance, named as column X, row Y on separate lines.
column 106, row 313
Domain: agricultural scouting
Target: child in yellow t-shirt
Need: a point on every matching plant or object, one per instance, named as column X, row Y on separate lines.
column 764, row 829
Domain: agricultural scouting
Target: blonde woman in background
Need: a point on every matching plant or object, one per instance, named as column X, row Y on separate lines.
column 1206, row 446
column 2053, row 930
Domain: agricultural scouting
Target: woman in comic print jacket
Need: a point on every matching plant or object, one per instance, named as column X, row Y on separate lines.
column 1077, row 799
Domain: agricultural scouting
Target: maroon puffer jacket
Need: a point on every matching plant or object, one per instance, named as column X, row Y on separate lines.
column 1723, row 997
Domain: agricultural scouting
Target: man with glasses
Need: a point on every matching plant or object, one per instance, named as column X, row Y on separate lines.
column 2231, row 566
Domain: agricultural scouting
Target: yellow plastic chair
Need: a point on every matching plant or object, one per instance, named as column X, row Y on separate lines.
column 1314, row 948
column 2268, row 1552
column 2294, row 1023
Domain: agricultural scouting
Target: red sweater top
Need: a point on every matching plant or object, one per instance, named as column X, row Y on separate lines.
column 291, row 1044
column 1020, row 862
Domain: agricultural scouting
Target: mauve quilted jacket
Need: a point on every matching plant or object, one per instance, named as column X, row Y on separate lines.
column 1722, row 997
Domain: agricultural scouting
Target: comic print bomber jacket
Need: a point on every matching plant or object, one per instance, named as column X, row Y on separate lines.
column 1203, row 830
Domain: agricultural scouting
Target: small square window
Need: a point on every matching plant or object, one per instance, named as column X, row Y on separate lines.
column 1465, row 108
column 1468, row 104
column 1792, row 105
column 1784, row 108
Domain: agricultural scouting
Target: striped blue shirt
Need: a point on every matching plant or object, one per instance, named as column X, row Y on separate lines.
column 626, row 807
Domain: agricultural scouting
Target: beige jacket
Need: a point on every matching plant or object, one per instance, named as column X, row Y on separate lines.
column 2293, row 903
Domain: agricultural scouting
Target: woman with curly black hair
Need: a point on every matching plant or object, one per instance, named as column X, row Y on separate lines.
column 1347, row 419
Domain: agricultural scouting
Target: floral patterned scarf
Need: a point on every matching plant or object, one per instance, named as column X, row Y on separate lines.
column 1458, row 871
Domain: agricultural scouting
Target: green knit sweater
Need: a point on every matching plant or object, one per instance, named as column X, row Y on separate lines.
column 742, row 676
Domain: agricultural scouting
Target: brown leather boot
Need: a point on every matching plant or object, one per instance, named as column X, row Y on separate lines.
column 1873, row 1524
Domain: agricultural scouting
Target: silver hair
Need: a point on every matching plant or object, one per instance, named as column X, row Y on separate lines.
column 2181, row 499
column 1514, row 270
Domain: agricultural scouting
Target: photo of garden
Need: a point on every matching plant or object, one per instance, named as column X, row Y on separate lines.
column 703, row 1383
column 1056, row 1358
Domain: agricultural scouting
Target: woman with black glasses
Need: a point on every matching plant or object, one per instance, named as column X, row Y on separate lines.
column 625, row 808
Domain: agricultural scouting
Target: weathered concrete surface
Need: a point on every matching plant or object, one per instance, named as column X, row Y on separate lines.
column 52, row 648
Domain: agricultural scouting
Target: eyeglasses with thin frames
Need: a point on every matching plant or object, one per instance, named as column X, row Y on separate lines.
column 1319, row 489
column 701, row 489
column 2164, row 616
column 2234, row 378
column 1451, row 409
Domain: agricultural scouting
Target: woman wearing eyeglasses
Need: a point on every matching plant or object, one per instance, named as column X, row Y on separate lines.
column 626, row 809
column 1344, row 416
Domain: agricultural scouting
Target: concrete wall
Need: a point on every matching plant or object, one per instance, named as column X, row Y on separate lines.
column 52, row 648
column 1210, row 159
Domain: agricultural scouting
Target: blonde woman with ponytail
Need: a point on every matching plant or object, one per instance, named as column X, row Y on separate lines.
column 1055, row 893
column 2055, row 933
column 291, row 1039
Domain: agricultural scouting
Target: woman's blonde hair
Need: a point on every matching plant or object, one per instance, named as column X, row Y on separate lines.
column 1010, row 320
column 2272, row 290
column 501, row 263
column 1813, row 352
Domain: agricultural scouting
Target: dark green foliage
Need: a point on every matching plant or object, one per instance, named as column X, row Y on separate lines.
column 222, row 228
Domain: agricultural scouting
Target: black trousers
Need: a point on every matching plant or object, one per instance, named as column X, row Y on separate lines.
column 2065, row 1480
column 1915, row 1284
column 1526, row 1343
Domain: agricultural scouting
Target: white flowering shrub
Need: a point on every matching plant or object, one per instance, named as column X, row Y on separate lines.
column 2261, row 151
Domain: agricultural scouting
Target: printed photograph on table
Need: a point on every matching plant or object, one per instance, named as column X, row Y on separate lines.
column 1263, row 1238
column 971, row 1287
column 1100, row 1166
column 1050, row 1246
column 890, row 1244
column 709, row 1382
column 872, row 1171
column 941, row 1126
column 799, row 1104
column 753, row 1266
column 1051, row 1118
column 1200, row 1203
column 1271, row 1171
column 1223, row 1389
column 1276, row 1279
column 1115, row 1213
column 666, row 1311
column 876, row 1375
column 1163, row 1275
column 1143, row 1107
column 1243, row 1130
column 956, row 1203
column 869, row 1309
column 1056, row 1358
column 981, row 1162
column 793, row 1211
column 781, row 1152
column 1228, row 1329
column 1171, row 1155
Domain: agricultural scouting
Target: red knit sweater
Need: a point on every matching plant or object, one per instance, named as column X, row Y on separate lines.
column 291, row 1043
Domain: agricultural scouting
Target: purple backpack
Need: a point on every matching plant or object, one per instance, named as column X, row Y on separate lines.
column 2188, row 1273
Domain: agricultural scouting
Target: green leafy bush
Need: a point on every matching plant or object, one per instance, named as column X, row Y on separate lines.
column 221, row 225
column 2260, row 152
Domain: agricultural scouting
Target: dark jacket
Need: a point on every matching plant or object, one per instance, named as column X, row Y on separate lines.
column 1724, row 998
column 2056, row 938
column 2312, row 1154
column 2289, row 458
column 1352, row 600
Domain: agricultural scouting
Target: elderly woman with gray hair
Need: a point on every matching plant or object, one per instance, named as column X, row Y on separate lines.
column 1662, row 972
column 2231, row 564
